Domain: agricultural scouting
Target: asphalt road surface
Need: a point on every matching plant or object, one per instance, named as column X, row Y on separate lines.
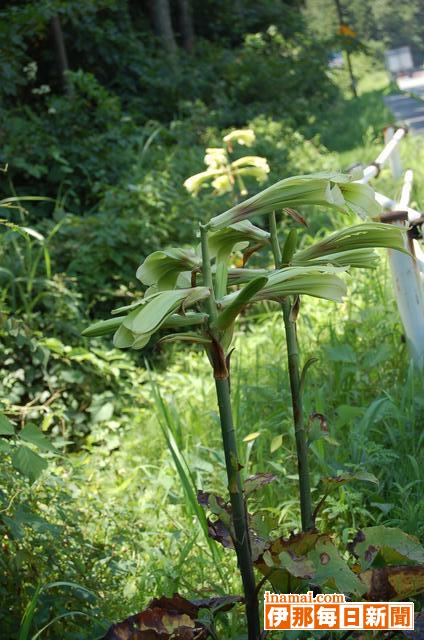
column 407, row 109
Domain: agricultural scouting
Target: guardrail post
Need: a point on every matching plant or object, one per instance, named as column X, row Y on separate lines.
column 395, row 161
column 408, row 285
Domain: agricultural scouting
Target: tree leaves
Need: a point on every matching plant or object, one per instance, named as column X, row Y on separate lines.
column 27, row 462
column 6, row 427
column 32, row 434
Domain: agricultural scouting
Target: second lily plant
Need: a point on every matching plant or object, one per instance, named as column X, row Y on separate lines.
column 196, row 295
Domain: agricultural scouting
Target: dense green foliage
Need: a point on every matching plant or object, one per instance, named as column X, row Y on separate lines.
column 379, row 24
column 110, row 513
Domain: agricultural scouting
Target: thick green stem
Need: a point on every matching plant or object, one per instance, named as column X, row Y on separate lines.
column 299, row 423
column 239, row 515
column 242, row 540
column 276, row 250
column 207, row 271
column 297, row 404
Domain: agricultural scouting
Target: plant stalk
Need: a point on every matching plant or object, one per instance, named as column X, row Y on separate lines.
column 238, row 506
column 242, row 540
column 306, row 513
column 298, row 417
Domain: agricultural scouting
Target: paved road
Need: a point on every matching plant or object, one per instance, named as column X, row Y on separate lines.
column 406, row 109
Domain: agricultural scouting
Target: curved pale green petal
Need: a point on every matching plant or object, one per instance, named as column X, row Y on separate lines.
column 102, row 327
column 245, row 137
column 368, row 235
column 163, row 267
column 318, row 281
column 360, row 198
column 152, row 315
column 358, row 258
column 195, row 183
column 241, row 276
column 123, row 338
column 224, row 241
column 190, row 318
column 334, row 190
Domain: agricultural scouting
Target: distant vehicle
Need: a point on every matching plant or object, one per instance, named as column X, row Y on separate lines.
column 399, row 61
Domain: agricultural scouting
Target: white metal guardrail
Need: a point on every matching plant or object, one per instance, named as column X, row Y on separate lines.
column 407, row 270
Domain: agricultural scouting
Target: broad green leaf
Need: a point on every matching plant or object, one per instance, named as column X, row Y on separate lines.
column 151, row 316
column 298, row 566
column 393, row 545
column 6, row 427
column 296, row 546
column 31, row 433
column 332, row 570
column 29, row 463
column 243, row 297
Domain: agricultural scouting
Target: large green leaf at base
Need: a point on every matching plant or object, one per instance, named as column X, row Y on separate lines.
column 392, row 545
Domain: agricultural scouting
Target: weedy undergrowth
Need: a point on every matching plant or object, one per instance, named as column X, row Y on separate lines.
column 198, row 295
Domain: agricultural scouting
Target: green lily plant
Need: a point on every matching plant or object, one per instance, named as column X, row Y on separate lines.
column 198, row 295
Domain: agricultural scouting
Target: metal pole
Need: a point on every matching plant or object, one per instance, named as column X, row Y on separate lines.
column 408, row 284
column 392, row 139
column 349, row 62
column 395, row 162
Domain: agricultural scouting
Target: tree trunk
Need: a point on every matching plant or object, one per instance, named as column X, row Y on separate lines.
column 162, row 24
column 186, row 24
column 62, row 56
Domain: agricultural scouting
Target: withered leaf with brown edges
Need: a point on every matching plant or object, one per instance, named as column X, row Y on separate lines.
column 167, row 618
